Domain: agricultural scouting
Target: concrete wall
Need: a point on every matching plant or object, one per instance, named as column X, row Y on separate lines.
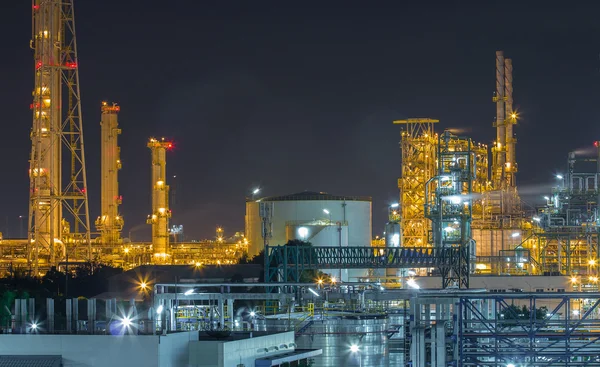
column 104, row 350
column 174, row 349
column 233, row 353
column 526, row 283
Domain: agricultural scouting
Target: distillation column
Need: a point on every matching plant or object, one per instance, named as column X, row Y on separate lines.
column 499, row 149
column 160, row 205
column 110, row 223
column 56, row 121
column 510, row 121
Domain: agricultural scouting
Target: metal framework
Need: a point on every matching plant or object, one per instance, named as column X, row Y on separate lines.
column 449, row 203
column 286, row 263
column 418, row 145
column 567, row 239
column 552, row 330
column 58, row 213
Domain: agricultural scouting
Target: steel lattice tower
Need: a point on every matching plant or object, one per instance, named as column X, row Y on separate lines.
column 58, row 211
column 418, row 147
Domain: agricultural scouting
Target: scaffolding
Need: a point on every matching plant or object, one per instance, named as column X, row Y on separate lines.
column 418, row 145
column 449, row 203
column 567, row 239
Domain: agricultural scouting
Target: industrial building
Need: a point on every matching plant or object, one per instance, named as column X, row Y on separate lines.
column 467, row 273
column 315, row 217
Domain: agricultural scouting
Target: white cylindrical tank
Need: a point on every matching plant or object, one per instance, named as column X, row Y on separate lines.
column 316, row 217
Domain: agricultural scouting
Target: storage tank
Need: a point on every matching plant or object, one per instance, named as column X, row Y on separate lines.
column 316, row 217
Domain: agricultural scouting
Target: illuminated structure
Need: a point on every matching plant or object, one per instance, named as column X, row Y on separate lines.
column 449, row 202
column 160, row 193
column 110, row 222
column 58, row 211
column 566, row 228
column 418, row 145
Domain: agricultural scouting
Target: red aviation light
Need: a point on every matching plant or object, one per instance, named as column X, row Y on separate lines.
column 38, row 65
column 596, row 143
column 36, row 7
column 71, row 65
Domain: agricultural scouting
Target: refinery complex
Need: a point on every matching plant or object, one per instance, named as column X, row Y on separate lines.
column 466, row 273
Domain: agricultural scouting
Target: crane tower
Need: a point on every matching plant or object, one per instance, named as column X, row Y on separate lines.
column 159, row 219
column 110, row 222
column 58, row 206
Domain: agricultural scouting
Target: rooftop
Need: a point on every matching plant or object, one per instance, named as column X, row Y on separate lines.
column 314, row 195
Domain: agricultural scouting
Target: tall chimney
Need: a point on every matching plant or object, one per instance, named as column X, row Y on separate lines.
column 500, row 160
column 511, row 119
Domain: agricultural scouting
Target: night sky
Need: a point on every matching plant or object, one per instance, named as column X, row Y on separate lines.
column 294, row 97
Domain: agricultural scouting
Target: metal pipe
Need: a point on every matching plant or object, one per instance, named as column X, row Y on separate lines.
column 500, row 127
column 509, row 122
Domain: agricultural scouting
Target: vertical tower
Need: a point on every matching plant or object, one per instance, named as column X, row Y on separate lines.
column 110, row 223
column 160, row 204
column 418, row 144
column 499, row 149
column 510, row 120
column 58, row 205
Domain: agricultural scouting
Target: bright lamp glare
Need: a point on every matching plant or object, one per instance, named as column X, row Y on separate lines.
column 546, row 198
column 537, row 219
column 510, row 365
column 303, row 232
column 256, row 191
column 34, row 326
column 188, row 292
column 126, row 321
column 354, row 348
column 516, row 234
column 313, row 292
column 325, row 211
column 411, row 283
column 252, row 314
column 396, row 239
column 395, row 205
column 560, row 177
column 159, row 309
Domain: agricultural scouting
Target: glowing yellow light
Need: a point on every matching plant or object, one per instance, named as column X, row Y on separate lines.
column 592, row 262
column 320, row 281
column 143, row 285
column 333, row 280
column 198, row 264
column 126, row 250
column 161, row 210
column 160, row 183
column 573, row 280
column 481, row 266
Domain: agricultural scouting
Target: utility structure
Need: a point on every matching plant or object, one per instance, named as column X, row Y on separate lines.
column 568, row 242
column 504, row 160
column 418, row 145
column 110, row 222
column 159, row 219
column 58, row 208
column 449, row 202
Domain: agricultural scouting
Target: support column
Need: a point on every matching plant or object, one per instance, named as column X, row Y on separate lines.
column 50, row 315
column 221, row 312
column 230, row 312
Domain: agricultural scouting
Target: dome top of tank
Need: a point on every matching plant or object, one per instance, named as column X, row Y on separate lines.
column 313, row 195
